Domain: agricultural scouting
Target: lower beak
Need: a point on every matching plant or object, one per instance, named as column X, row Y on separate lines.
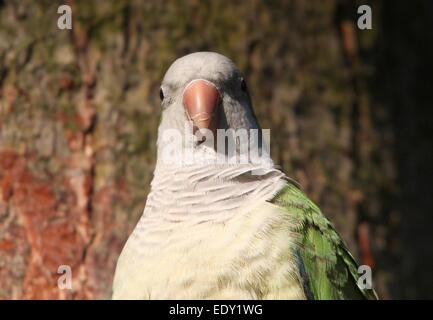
column 201, row 100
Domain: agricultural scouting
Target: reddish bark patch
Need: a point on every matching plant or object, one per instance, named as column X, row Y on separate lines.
column 54, row 236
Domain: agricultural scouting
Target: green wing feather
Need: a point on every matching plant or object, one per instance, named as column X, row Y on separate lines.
column 330, row 269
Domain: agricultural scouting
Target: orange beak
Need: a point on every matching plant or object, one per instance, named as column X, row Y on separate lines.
column 201, row 99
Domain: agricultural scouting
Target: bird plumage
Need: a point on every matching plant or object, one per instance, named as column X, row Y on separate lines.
column 214, row 230
column 330, row 271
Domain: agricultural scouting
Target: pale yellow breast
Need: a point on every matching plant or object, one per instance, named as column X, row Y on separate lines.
column 251, row 256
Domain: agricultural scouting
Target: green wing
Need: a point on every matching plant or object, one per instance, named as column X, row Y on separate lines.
column 327, row 265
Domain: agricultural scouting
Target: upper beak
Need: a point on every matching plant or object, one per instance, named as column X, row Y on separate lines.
column 201, row 99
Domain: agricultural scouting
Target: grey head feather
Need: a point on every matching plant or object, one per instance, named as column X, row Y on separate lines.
column 236, row 112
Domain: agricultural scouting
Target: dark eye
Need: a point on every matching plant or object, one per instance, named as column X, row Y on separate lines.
column 243, row 85
column 161, row 94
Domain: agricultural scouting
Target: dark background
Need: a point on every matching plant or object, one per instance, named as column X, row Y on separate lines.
column 349, row 112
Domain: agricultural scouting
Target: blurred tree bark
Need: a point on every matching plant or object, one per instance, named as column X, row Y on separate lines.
column 79, row 111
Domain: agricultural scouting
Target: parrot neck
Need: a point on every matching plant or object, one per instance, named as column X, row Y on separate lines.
column 210, row 192
column 203, row 193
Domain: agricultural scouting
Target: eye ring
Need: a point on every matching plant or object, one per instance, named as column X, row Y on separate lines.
column 161, row 94
column 244, row 85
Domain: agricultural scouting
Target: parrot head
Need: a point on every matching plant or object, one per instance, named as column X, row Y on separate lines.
column 207, row 89
column 206, row 92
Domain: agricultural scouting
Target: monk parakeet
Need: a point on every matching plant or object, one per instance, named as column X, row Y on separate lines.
column 226, row 229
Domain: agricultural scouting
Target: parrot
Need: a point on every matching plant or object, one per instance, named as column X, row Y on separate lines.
column 226, row 229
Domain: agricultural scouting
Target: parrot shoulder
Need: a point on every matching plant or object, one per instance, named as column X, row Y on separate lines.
column 329, row 269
